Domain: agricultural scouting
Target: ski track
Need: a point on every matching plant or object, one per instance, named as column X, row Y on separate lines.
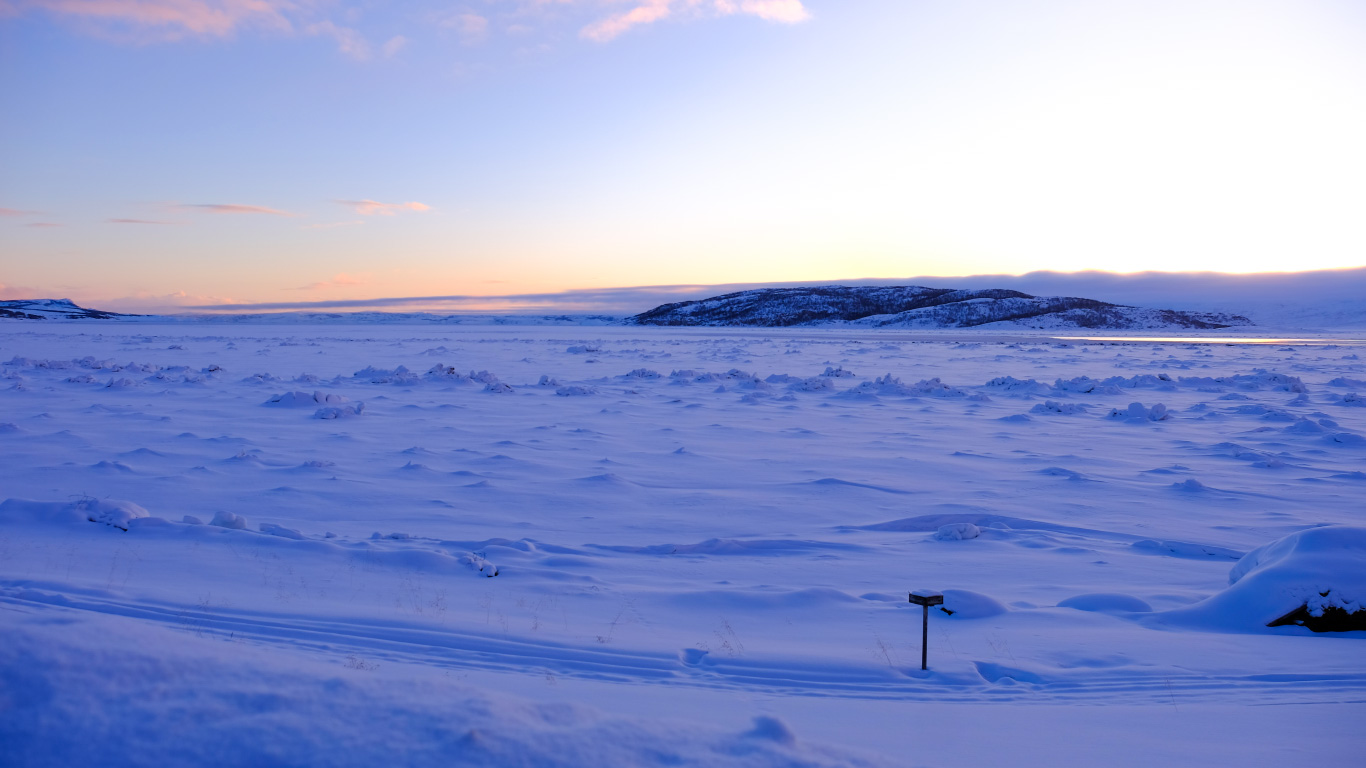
column 818, row 678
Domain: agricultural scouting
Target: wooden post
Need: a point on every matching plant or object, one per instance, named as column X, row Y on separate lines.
column 926, row 598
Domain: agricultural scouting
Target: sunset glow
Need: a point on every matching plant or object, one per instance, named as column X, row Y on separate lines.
column 196, row 153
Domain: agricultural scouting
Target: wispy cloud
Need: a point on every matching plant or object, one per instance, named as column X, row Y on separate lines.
column 393, row 45
column 42, row 224
column 604, row 300
column 142, row 21
column 134, row 221
column 785, row 11
column 651, row 11
column 167, row 19
column 376, row 208
column 471, row 27
column 16, row 212
column 349, row 41
column 231, row 208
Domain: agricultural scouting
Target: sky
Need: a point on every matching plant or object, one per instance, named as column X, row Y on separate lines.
column 157, row 154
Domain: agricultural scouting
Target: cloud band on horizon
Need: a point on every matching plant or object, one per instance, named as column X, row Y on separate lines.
column 1181, row 290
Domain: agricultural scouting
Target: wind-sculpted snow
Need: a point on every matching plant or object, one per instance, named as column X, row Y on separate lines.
column 1314, row 578
column 919, row 307
column 638, row 546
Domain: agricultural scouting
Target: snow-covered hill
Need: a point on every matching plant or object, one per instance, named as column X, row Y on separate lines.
column 46, row 309
column 920, row 307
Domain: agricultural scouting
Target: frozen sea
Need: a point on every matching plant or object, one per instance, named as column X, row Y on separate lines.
column 562, row 546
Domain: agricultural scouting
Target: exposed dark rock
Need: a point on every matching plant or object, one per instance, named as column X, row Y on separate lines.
column 42, row 309
column 919, row 307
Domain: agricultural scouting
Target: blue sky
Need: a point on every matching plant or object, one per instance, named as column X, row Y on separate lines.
column 158, row 153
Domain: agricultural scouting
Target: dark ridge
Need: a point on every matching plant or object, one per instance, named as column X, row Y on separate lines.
column 43, row 309
column 918, row 307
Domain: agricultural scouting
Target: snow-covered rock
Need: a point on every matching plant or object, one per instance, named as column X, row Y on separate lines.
column 1315, row 578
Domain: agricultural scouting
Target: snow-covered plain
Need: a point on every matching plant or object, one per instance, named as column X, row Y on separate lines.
column 354, row 545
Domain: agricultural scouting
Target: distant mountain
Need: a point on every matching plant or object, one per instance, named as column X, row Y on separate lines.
column 45, row 309
column 920, row 307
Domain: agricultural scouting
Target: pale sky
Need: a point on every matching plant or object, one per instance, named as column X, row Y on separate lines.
column 161, row 153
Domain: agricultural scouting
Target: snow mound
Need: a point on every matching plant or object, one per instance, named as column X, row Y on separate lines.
column 111, row 512
column 445, row 373
column 962, row 604
column 478, row 563
column 305, row 400
column 400, row 375
column 1053, row 406
column 891, row 386
column 281, row 531
column 229, row 520
column 1106, row 602
column 1137, row 412
column 1314, row 578
column 813, row 384
column 340, row 412
column 1014, row 386
column 957, row 532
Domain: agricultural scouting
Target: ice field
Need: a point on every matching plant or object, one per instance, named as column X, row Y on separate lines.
column 355, row 545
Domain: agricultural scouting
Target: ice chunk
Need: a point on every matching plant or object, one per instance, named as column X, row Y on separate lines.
column 229, row 520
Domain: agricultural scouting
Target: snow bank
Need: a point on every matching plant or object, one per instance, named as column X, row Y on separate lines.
column 1319, row 573
column 111, row 512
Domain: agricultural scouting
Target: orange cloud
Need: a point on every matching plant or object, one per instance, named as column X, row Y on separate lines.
column 650, row 11
column 10, row 292
column 647, row 12
column 785, row 11
column 231, row 208
column 15, row 212
column 375, row 208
